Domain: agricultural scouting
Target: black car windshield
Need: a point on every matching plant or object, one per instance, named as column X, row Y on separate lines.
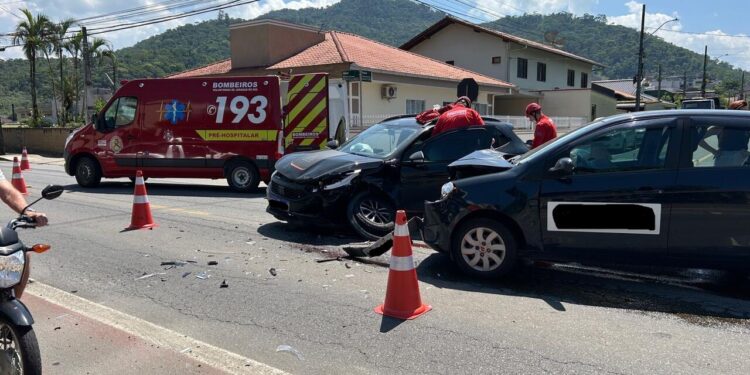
column 380, row 140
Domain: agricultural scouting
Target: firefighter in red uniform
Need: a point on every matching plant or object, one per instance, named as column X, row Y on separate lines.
column 460, row 116
column 545, row 128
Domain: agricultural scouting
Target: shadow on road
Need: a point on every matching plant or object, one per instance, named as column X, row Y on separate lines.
column 307, row 235
column 167, row 189
column 697, row 296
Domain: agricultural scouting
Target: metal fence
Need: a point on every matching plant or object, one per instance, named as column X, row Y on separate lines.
column 518, row 122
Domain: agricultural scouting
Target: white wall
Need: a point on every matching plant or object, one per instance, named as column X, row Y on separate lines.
column 474, row 51
column 469, row 50
column 376, row 107
column 557, row 69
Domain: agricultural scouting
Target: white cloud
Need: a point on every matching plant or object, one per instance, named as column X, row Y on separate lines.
column 58, row 10
column 736, row 49
column 490, row 10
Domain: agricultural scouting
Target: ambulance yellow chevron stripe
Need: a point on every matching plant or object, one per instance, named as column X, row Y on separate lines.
column 307, row 110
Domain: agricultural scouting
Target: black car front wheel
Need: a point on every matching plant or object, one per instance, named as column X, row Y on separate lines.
column 371, row 215
column 484, row 248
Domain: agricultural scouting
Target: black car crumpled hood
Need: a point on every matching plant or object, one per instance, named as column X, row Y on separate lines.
column 313, row 165
column 483, row 158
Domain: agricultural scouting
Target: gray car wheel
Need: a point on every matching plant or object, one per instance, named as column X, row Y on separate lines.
column 484, row 248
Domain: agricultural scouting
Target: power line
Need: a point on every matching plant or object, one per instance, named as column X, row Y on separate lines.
column 704, row 33
column 230, row 4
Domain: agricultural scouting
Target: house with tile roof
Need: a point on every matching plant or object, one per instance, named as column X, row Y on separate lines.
column 403, row 82
column 624, row 90
column 540, row 73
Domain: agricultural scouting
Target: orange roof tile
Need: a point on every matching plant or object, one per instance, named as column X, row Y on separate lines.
column 340, row 47
column 220, row 67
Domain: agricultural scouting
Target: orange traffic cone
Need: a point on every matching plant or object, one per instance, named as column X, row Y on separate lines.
column 25, row 166
column 402, row 298
column 17, row 180
column 141, row 218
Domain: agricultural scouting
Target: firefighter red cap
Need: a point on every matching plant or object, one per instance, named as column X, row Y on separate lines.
column 533, row 107
column 465, row 99
column 738, row 104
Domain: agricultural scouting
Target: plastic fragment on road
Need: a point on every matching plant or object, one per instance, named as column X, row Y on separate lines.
column 272, row 271
column 328, row 260
column 224, row 284
column 202, row 275
column 146, row 276
column 213, row 263
column 290, row 350
column 186, row 274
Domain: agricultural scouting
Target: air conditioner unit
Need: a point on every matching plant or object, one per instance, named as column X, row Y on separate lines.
column 388, row 92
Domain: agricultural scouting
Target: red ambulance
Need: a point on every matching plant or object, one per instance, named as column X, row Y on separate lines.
column 228, row 127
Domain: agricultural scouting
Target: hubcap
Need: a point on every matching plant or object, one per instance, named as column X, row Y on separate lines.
column 85, row 171
column 241, row 176
column 11, row 357
column 375, row 212
column 483, row 249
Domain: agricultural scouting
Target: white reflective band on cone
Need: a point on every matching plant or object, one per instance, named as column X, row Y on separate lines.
column 402, row 263
column 140, row 199
column 139, row 181
column 16, row 176
column 401, row 230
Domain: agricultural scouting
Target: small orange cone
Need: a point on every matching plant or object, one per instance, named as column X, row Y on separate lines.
column 17, row 180
column 402, row 299
column 25, row 166
column 141, row 218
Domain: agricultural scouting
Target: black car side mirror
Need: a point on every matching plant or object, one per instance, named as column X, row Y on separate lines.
column 52, row 191
column 563, row 167
column 417, row 157
column 333, row 144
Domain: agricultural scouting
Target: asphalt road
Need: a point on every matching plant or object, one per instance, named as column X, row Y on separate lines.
column 558, row 319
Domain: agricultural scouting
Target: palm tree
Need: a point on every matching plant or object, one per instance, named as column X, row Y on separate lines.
column 60, row 44
column 73, row 46
column 109, row 54
column 31, row 33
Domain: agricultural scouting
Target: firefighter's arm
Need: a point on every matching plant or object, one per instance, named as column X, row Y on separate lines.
column 11, row 196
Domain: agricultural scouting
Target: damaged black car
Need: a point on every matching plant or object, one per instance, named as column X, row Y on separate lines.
column 392, row 165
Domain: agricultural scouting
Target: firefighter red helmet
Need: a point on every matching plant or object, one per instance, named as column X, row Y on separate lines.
column 533, row 107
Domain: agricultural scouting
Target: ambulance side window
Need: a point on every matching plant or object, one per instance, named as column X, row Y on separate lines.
column 120, row 113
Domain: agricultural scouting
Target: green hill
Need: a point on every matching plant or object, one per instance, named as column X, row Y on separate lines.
column 392, row 22
column 614, row 46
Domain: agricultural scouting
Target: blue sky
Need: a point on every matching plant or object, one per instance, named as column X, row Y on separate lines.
column 718, row 22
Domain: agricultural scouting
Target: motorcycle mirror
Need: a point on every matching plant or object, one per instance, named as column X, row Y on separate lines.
column 52, row 191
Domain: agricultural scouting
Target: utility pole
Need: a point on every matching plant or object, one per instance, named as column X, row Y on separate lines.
column 684, row 86
column 13, row 116
column 639, row 75
column 742, row 86
column 658, row 86
column 703, row 82
column 86, row 75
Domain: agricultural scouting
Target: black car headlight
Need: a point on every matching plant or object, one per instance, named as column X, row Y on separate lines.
column 446, row 190
column 340, row 181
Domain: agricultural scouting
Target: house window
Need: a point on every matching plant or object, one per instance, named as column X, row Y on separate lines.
column 497, row 59
column 481, row 108
column 584, row 80
column 541, row 72
column 522, row 69
column 571, row 77
column 414, row 107
column 451, row 62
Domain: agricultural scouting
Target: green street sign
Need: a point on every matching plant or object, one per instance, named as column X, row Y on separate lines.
column 351, row 75
column 354, row 75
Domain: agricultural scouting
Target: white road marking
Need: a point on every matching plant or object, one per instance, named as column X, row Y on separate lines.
column 200, row 351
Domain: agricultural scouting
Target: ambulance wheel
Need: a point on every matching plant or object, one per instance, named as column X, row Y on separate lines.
column 88, row 173
column 242, row 176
